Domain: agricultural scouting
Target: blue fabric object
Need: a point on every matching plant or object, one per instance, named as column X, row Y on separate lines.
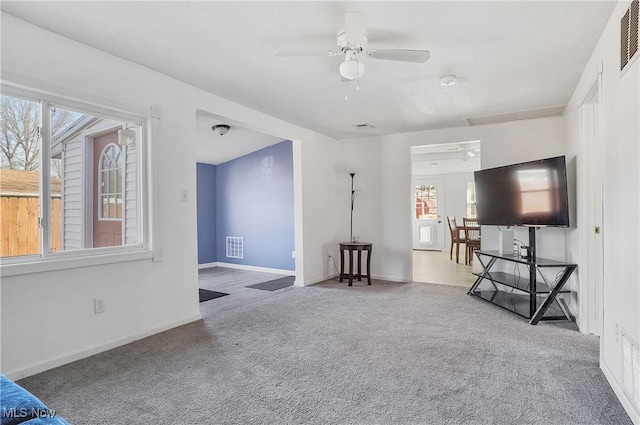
column 19, row 406
column 49, row 420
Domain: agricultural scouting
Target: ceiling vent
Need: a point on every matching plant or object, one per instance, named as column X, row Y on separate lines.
column 520, row 115
column 364, row 125
column 629, row 34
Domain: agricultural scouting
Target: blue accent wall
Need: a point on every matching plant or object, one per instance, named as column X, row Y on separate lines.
column 255, row 201
column 206, row 212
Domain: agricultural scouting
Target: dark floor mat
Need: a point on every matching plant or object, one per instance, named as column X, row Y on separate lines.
column 274, row 285
column 206, row 295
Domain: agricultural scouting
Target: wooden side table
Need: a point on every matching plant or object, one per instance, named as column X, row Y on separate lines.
column 358, row 247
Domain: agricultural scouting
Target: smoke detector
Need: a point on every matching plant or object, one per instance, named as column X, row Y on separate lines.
column 448, row 80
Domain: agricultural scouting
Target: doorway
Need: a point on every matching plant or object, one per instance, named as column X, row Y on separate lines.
column 441, row 186
column 245, row 212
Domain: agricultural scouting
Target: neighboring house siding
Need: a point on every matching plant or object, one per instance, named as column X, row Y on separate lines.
column 78, row 187
column 72, row 195
column 131, row 234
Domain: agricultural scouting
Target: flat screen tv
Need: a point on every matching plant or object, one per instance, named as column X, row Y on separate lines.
column 527, row 194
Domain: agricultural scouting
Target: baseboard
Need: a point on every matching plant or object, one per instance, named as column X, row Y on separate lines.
column 390, row 278
column 335, row 275
column 617, row 389
column 91, row 351
column 317, row 280
column 250, row 268
column 208, row 265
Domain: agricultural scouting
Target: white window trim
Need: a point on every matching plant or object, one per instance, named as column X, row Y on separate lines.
column 80, row 258
column 51, row 261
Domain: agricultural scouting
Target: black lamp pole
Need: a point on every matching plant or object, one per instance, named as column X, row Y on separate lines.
column 353, row 198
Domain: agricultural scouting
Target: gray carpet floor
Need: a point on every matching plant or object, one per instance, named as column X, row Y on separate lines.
column 388, row 353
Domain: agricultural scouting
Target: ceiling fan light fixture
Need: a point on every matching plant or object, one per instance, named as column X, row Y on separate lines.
column 220, row 129
column 448, row 80
column 351, row 69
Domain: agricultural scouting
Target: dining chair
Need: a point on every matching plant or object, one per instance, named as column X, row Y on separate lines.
column 455, row 237
column 471, row 238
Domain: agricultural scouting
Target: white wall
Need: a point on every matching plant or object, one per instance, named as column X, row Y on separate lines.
column 389, row 158
column 360, row 156
column 620, row 109
column 47, row 318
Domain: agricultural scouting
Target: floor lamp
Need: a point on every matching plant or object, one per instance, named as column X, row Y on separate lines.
column 353, row 199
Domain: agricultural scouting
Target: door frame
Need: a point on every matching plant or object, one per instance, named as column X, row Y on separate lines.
column 590, row 211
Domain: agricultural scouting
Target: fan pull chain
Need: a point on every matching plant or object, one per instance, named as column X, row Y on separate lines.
column 345, row 92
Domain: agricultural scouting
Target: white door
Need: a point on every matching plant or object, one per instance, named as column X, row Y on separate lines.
column 428, row 227
column 590, row 213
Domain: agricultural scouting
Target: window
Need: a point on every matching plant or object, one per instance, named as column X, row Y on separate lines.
column 471, row 200
column 426, row 202
column 71, row 179
column 110, row 184
column 20, row 178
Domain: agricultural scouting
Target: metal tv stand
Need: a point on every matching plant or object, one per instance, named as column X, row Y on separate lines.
column 527, row 295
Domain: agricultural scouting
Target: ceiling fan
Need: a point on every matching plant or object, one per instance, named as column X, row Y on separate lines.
column 352, row 42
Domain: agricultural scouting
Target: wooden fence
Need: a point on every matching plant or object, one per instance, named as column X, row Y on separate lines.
column 19, row 230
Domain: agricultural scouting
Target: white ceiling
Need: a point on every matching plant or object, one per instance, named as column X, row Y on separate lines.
column 445, row 158
column 239, row 141
column 510, row 56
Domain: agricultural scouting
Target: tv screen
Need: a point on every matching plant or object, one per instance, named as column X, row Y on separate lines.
column 526, row 194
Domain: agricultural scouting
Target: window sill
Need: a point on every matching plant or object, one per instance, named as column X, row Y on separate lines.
column 51, row 264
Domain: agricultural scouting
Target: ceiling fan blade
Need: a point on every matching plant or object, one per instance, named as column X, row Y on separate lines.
column 417, row 56
column 300, row 53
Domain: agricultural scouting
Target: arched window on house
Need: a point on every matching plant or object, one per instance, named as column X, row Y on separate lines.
column 110, row 184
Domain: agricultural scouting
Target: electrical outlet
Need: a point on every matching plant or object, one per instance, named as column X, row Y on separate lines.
column 184, row 195
column 98, row 305
column 158, row 255
column 293, row 254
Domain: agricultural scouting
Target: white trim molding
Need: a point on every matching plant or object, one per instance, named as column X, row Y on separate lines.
column 245, row 267
column 90, row 351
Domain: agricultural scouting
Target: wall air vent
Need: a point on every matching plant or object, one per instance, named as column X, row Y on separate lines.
column 364, row 125
column 629, row 34
column 631, row 369
column 235, row 247
column 551, row 111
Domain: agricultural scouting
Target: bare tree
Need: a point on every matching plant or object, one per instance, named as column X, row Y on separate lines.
column 19, row 138
column 18, row 127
